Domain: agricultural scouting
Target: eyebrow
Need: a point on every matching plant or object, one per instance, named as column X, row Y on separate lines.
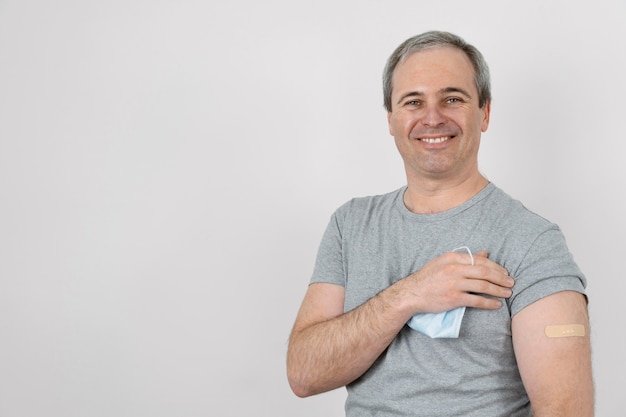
column 445, row 90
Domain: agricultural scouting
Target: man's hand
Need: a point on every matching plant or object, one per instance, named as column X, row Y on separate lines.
column 451, row 281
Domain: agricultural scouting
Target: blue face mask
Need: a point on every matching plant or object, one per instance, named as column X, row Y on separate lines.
column 446, row 324
column 435, row 325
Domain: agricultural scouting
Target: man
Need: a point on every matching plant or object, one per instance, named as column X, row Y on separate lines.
column 518, row 341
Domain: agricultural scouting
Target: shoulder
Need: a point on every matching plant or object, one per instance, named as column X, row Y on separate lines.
column 512, row 215
column 368, row 205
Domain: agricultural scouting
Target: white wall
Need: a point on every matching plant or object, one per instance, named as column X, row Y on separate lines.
column 167, row 169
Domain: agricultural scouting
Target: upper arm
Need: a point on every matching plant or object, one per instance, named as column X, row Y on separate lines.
column 322, row 302
column 556, row 371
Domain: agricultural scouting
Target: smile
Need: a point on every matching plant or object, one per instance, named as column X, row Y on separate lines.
column 435, row 140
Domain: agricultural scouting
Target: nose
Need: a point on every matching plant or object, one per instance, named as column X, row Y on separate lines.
column 433, row 116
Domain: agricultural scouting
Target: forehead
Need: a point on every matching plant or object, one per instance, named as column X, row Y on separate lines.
column 434, row 68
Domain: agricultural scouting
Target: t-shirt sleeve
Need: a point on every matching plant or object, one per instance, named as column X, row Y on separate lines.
column 329, row 266
column 547, row 268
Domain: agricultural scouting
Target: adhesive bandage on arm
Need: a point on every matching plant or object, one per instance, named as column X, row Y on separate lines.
column 565, row 330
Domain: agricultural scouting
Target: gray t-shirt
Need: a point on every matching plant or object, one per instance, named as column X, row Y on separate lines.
column 372, row 242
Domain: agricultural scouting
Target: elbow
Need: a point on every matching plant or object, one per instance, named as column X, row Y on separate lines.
column 299, row 384
column 299, row 379
column 302, row 380
column 300, row 390
column 306, row 376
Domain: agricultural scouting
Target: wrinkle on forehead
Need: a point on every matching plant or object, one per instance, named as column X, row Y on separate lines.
column 454, row 71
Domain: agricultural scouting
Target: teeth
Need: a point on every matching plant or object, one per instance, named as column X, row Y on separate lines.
column 435, row 140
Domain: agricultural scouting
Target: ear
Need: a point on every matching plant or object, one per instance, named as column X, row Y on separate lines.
column 389, row 123
column 486, row 113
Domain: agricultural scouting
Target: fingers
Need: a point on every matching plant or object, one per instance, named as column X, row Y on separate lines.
column 492, row 273
column 481, row 301
column 451, row 280
column 484, row 278
column 484, row 287
column 489, row 270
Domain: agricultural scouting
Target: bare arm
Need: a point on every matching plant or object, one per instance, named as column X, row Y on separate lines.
column 329, row 349
column 556, row 371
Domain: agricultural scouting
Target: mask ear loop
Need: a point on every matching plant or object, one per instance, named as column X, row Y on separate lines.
column 469, row 252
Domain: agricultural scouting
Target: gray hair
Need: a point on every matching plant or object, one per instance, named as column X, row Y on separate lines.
column 434, row 39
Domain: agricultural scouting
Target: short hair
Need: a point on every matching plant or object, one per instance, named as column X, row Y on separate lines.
column 438, row 39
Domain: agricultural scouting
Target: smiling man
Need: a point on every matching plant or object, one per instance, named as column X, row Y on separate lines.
column 436, row 120
column 445, row 297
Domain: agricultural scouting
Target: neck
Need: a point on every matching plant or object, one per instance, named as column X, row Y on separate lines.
column 432, row 196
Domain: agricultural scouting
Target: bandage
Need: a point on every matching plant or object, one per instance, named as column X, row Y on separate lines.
column 446, row 324
column 565, row 330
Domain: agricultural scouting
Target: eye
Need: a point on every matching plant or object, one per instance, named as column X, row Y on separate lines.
column 453, row 100
column 413, row 103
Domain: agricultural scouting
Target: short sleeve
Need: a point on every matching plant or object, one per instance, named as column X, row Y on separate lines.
column 329, row 266
column 547, row 268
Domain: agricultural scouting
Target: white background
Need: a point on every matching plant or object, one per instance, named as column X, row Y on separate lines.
column 167, row 169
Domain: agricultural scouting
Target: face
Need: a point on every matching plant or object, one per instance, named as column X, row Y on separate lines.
column 435, row 118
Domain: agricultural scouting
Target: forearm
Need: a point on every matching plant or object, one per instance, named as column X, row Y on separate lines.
column 335, row 352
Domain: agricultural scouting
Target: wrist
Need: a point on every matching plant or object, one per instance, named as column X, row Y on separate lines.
column 397, row 302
